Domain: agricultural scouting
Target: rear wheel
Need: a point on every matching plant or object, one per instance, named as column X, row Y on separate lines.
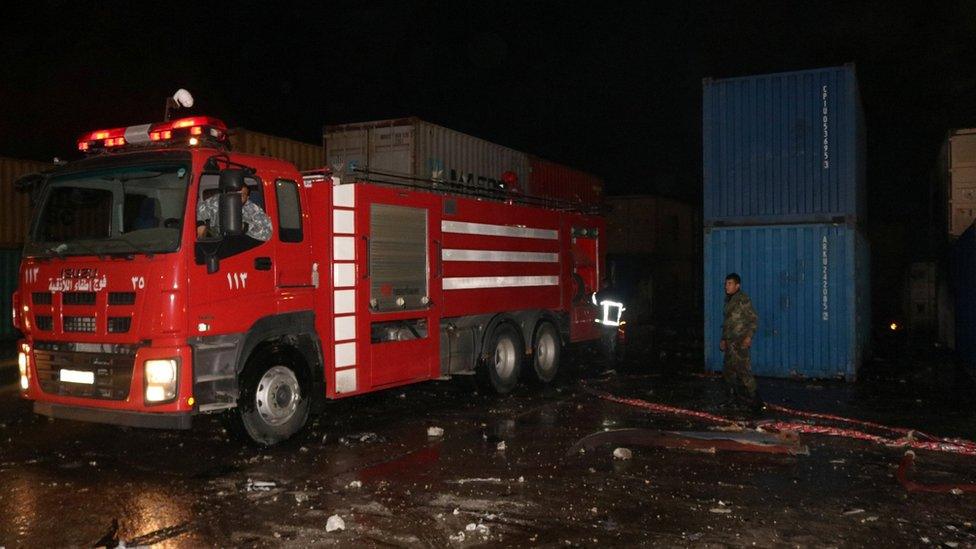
column 499, row 370
column 274, row 399
column 546, row 351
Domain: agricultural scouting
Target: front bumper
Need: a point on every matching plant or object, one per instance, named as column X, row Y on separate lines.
column 166, row 420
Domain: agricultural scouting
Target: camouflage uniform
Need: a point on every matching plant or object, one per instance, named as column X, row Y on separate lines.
column 258, row 222
column 740, row 322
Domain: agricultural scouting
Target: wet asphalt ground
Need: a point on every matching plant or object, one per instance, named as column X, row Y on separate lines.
column 499, row 475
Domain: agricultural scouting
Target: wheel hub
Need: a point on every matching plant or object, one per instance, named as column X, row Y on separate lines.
column 278, row 395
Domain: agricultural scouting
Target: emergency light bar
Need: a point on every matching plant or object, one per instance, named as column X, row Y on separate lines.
column 191, row 131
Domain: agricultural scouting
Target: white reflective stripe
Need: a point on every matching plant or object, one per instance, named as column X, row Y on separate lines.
column 464, row 227
column 137, row 134
column 495, row 255
column 344, row 196
column 345, row 381
column 476, row 282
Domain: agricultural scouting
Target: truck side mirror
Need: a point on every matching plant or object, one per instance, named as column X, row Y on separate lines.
column 230, row 202
column 230, row 208
column 213, row 264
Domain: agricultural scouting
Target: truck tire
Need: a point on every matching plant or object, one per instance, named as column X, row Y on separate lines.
column 274, row 399
column 502, row 363
column 546, row 352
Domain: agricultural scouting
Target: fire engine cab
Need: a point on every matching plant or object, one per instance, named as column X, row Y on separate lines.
column 167, row 276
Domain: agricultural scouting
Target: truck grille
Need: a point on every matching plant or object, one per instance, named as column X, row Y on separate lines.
column 121, row 298
column 119, row 324
column 78, row 298
column 84, row 324
column 41, row 298
column 44, row 322
column 111, row 366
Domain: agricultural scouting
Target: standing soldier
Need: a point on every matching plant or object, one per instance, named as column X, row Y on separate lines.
column 738, row 327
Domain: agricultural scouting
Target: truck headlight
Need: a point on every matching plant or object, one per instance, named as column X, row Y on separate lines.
column 22, row 366
column 161, row 379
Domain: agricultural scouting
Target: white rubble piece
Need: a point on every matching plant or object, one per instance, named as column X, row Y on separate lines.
column 260, row 485
column 335, row 523
column 435, row 432
column 622, row 453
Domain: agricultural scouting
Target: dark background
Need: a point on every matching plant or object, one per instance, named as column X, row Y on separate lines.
column 613, row 88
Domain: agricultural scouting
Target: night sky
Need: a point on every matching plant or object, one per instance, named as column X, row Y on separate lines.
column 614, row 88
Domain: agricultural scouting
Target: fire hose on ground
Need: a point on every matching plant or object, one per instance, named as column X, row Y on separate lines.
column 908, row 438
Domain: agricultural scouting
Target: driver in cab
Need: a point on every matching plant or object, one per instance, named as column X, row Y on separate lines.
column 257, row 224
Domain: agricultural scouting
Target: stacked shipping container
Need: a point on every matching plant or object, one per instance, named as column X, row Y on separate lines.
column 304, row 156
column 410, row 149
column 14, row 217
column 784, row 192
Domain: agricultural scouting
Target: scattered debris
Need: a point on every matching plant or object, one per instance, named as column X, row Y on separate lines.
column 853, row 512
column 501, row 446
column 622, row 453
column 457, row 538
column 355, row 485
column 334, row 523
column 720, row 510
column 435, row 432
column 301, row 497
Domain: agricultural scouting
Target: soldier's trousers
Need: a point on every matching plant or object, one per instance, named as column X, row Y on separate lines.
column 737, row 371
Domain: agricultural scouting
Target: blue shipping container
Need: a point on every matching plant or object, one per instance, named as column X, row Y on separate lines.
column 810, row 286
column 783, row 148
column 964, row 286
column 9, row 267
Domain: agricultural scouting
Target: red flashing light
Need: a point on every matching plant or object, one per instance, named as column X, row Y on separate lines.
column 164, row 132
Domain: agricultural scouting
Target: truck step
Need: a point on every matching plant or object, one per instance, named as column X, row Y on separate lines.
column 216, row 407
column 206, row 379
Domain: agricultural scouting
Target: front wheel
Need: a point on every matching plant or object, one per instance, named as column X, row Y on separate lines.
column 274, row 400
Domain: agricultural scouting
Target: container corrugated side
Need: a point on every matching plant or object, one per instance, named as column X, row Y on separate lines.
column 783, row 148
column 15, row 209
column 561, row 183
column 414, row 148
column 9, row 269
column 964, row 287
column 305, row 156
column 810, row 285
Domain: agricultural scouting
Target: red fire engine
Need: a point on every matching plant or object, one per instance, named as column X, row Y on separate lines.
column 146, row 296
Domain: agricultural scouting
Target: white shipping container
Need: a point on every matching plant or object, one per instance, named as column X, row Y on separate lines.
column 413, row 148
column 958, row 174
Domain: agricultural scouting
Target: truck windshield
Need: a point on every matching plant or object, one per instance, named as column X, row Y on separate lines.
column 135, row 209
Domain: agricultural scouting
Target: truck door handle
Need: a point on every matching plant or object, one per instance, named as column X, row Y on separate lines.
column 262, row 263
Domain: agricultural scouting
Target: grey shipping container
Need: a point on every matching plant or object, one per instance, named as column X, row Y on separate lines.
column 413, row 148
column 783, row 148
column 304, row 156
column 810, row 286
column 9, row 269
